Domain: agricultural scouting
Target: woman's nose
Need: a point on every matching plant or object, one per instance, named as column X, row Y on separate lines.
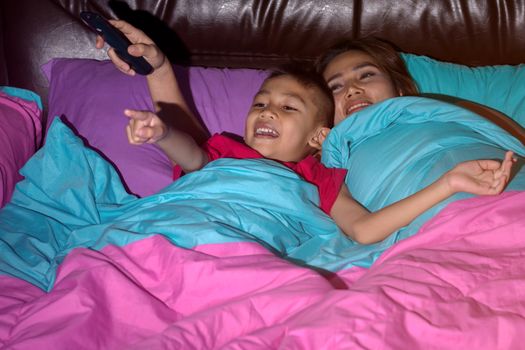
column 353, row 90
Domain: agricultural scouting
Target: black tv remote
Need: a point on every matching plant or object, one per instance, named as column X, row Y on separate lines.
column 117, row 40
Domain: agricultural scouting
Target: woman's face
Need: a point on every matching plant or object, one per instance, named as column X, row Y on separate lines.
column 356, row 82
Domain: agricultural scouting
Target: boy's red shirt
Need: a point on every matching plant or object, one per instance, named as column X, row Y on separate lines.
column 327, row 180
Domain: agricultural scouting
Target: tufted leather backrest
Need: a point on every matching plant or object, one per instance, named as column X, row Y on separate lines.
column 261, row 33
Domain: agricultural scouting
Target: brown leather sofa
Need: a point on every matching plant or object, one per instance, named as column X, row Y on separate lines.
column 260, row 33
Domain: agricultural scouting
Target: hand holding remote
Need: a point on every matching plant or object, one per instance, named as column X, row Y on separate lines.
column 117, row 40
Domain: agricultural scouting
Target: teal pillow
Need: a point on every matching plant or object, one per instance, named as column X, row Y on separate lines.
column 499, row 87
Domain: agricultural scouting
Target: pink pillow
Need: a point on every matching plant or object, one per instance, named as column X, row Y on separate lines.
column 91, row 96
column 20, row 136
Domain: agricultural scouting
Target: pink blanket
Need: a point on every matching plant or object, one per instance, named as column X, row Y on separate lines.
column 457, row 284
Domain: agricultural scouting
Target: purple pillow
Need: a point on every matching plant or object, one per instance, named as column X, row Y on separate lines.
column 20, row 135
column 91, row 95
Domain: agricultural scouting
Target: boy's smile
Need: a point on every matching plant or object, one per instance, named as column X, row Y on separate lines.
column 265, row 130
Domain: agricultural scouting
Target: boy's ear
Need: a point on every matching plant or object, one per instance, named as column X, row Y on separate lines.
column 320, row 135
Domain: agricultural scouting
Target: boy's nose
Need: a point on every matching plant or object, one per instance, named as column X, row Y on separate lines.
column 268, row 113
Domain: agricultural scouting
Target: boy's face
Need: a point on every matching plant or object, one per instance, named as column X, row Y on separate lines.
column 282, row 122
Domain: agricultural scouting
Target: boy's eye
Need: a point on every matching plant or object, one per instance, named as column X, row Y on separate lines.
column 258, row 105
column 289, row 108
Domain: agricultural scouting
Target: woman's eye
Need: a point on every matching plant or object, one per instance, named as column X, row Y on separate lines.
column 335, row 88
column 366, row 75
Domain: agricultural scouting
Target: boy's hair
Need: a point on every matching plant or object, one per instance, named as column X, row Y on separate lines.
column 384, row 54
column 307, row 76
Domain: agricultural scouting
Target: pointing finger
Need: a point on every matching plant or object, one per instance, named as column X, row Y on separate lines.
column 136, row 115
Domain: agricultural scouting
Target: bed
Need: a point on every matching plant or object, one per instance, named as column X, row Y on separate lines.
column 99, row 249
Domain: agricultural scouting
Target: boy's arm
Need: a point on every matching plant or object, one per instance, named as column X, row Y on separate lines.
column 181, row 148
column 365, row 227
column 481, row 177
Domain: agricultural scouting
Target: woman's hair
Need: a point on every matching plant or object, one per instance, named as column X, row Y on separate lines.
column 308, row 77
column 383, row 53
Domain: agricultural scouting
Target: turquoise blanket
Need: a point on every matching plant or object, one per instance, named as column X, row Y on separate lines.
column 72, row 197
column 395, row 148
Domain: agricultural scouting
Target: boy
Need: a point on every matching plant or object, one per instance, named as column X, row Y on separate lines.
column 290, row 117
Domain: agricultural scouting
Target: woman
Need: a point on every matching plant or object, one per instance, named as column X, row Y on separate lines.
column 380, row 74
column 363, row 72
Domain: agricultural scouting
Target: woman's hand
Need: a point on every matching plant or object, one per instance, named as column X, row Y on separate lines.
column 142, row 46
column 481, row 177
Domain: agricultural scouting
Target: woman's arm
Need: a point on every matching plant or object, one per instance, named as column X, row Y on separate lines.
column 169, row 101
column 174, row 128
column 164, row 89
column 482, row 177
